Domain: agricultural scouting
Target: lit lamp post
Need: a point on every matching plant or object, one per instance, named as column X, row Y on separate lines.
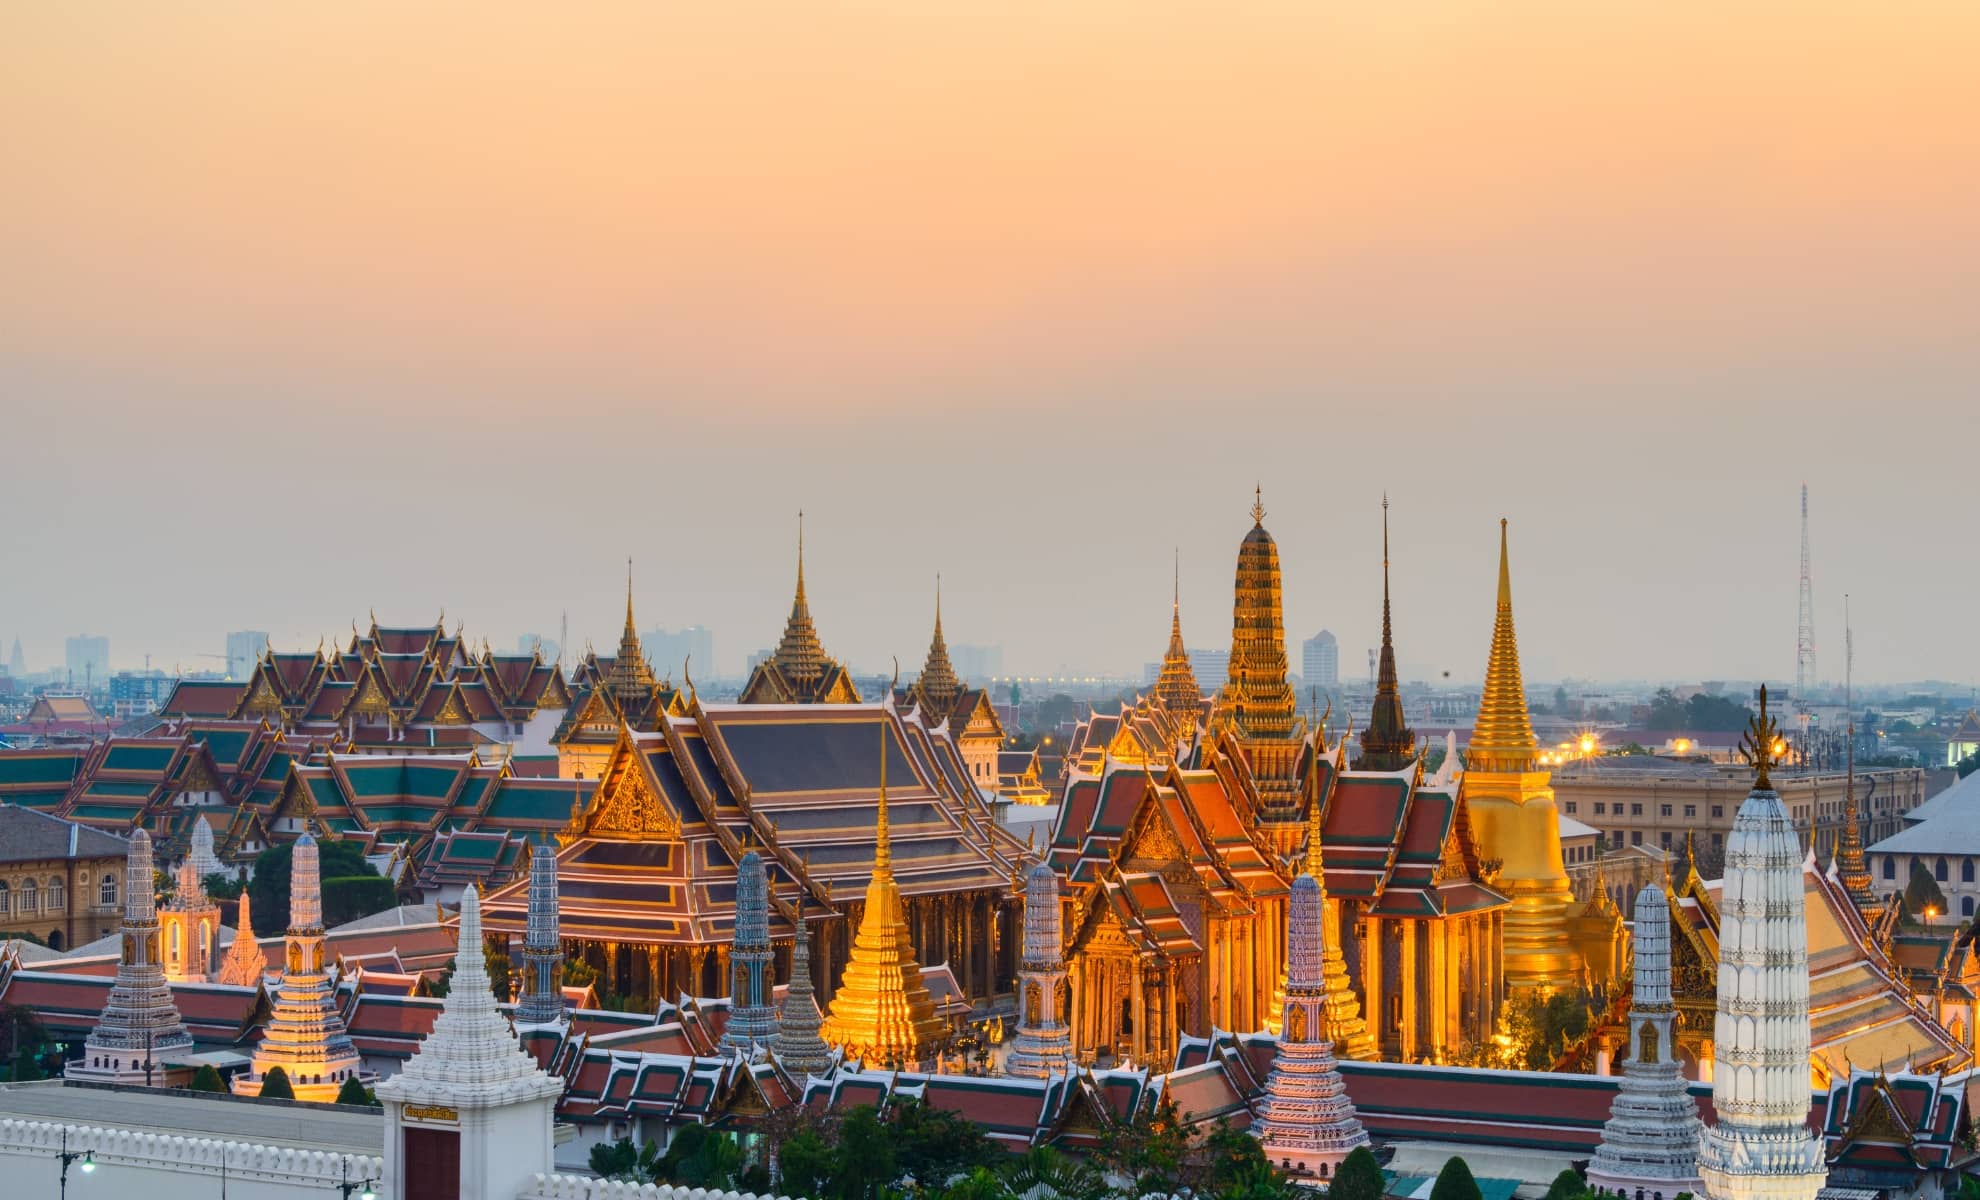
column 68, row 1156
column 349, row 1185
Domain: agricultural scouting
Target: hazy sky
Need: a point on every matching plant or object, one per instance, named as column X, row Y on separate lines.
column 310, row 310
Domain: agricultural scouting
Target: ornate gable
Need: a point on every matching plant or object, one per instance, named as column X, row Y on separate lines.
column 627, row 805
column 982, row 721
column 262, row 700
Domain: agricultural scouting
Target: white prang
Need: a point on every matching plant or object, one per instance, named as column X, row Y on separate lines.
column 1306, row 1120
column 1651, row 1138
column 1761, row 1148
column 472, row 1079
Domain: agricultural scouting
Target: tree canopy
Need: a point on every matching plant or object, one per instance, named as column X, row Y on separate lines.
column 275, row 1085
column 338, row 860
column 1360, row 1177
column 1923, row 892
column 1454, row 1182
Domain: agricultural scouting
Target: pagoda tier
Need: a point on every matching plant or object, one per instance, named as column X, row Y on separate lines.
column 1043, row 1045
column 305, row 1036
column 1651, row 1139
column 1305, row 1119
column 797, row 1045
column 882, row 1011
column 800, row 672
column 140, row 1025
column 1761, row 1147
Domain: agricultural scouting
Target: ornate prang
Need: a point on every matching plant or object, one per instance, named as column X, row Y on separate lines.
column 305, row 1036
column 140, row 1029
column 1651, row 1138
column 1043, row 1045
column 1305, row 1117
column 752, row 1016
column 797, row 1046
column 542, row 1000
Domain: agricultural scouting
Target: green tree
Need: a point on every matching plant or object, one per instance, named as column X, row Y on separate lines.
column 806, row 1162
column 275, row 1085
column 865, row 1164
column 354, row 1092
column 1967, row 766
column 1238, row 1167
column 348, row 897
column 1542, row 1027
column 23, row 1041
column 269, row 890
column 1150, row 1149
column 1706, row 713
column 981, row 1183
column 1050, row 1168
column 1454, row 1182
column 1568, row 1185
column 1922, row 892
column 624, row 1161
column 222, row 886
column 206, row 1079
column 700, row 1157
column 1360, row 1177
column 933, row 1144
column 1666, row 711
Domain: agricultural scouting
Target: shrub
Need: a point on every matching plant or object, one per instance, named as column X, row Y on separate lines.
column 275, row 1085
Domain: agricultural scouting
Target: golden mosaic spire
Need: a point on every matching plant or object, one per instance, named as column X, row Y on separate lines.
column 1261, row 698
column 1502, row 738
column 937, row 687
column 882, row 1012
column 1176, row 687
column 1850, row 867
column 799, row 655
column 1388, row 743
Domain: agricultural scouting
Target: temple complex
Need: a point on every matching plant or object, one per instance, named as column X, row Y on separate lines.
column 752, row 1007
column 306, row 1035
column 1651, row 1140
column 140, row 1024
column 882, row 1011
column 1760, row 1146
column 1043, row 1045
column 647, row 857
column 800, row 672
column 1305, row 1119
column 1513, row 814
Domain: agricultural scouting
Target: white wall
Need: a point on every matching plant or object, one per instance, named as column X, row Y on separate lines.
column 154, row 1166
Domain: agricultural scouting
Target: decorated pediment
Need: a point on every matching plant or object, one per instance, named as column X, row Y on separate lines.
column 1151, row 838
column 982, row 721
column 262, row 700
column 627, row 805
column 841, row 690
column 371, row 699
column 453, row 710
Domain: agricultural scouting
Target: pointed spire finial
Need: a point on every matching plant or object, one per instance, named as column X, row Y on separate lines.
column 1175, row 602
column 800, row 584
column 1761, row 745
column 629, row 610
column 883, row 854
column 1258, row 504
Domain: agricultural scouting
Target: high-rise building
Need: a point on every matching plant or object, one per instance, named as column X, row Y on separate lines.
column 244, row 648
column 87, row 658
column 979, row 663
column 1320, row 661
column 17, row 661
column 670, row 649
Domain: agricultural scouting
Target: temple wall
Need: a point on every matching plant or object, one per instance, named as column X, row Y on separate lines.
column 160, row 1167
column 583, row 1187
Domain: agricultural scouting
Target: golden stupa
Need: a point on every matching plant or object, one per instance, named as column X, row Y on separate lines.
column 882, row 1012
column 1513, row 816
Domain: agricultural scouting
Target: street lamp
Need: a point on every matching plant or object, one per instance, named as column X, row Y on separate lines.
column 68, row 1156
column 349, row 1186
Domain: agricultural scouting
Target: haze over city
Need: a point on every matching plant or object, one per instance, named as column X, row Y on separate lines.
column 319, row 314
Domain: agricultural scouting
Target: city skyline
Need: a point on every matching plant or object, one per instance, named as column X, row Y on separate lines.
column 378, row 330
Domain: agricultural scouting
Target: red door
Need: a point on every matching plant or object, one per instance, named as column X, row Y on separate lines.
column 431, row 1162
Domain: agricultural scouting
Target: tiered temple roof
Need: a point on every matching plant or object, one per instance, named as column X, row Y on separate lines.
column 800, row 672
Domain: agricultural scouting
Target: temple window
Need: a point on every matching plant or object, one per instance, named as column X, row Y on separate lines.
column 56, row 897
column 1890, row 867
column 1966, row 906
column 1966, row 870
column 1636, row 837
column 1570, row 808
column 1663, row 810
column 28, row 898
column 1939, row 871
column 106, row 893
column 1636, row 810
column 1691, row 810
column 1601, row 809
column 1718, row 810
column 6, row 899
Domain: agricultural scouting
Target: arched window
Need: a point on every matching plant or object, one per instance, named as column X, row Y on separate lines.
column 1966, row 906
column 1966, row 870
column 30, row 900
column 106, row 893
column 56, row 896
column 1890, row 867
column 6, row 899
column 1939, row 871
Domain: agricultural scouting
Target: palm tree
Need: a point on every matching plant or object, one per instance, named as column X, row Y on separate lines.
column 1042, row 1173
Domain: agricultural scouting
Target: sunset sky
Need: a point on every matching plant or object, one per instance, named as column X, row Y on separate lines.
column 311, row 310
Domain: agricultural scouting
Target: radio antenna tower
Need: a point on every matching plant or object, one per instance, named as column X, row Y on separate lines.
column 1804, row 638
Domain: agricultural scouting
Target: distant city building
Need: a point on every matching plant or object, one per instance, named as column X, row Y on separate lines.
column 87, row 659
column 536, row 642
column 1212, row 668
column 244, row 649
column 138, row 693
column 1320, row 661
column 667, row 649
column 977, row 663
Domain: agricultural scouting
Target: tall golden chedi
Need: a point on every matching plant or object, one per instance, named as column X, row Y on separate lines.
column 1514, row 818
column 1258, row 706
column 882, row 1012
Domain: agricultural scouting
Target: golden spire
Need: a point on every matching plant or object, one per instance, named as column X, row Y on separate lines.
column 1176, row 687
column 631, row 680
column 1848, row 854
column 937, row 687
column 1258, row 504
column 1761, row 745
column 1314, row 815
column 882, row 1009
column 1502, row 739
column 1388, row 743
column 800, row 656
